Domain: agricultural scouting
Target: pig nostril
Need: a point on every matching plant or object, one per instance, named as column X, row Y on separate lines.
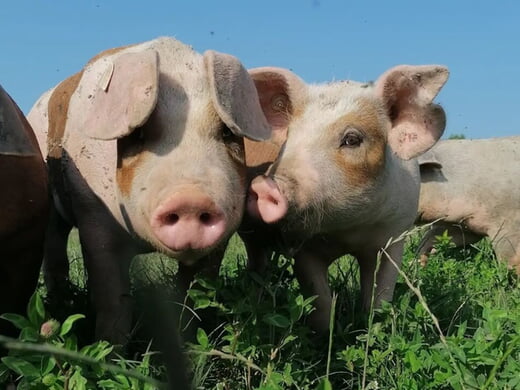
column 171, row 219
column 205, row 218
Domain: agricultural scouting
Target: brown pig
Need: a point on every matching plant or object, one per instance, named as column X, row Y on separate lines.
column 24, row 199
column 346, row 180
column 145, row 152
column 472, row 186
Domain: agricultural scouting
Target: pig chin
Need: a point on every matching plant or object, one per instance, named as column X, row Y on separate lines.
column 190, row 256
column 301, row 223
column 188, row 248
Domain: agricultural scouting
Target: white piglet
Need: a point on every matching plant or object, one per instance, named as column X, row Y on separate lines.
column 346, row 180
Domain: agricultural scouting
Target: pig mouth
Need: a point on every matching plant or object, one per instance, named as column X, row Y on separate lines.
column 189, row 256
column 269, row 200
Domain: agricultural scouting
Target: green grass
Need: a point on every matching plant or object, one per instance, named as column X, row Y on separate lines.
column 453, row 324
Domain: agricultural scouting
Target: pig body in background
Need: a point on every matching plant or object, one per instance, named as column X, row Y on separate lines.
column 345, row 180
column 474, row 187
column 24, row 199
column 145, row 152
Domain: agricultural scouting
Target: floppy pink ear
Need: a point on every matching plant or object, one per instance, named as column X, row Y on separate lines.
column 234, row 96
column 115, row 96
column 408, row 92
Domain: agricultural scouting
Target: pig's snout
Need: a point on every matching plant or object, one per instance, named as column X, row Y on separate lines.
column 188, row 221
column 265, row 200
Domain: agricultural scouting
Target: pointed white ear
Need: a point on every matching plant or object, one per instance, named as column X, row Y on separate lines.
column 115, row 96
column 408, row 93
column 234, row 96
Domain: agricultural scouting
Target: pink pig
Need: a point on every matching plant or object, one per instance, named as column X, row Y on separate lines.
column 145, row 153
column 345, row 180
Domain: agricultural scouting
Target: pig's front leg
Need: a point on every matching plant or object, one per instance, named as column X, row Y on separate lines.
column 311, row 269
column 258, row 254
column 107, row 252
column 19, row 271
column 208, row 266
column 56, row 262
column 386, row 276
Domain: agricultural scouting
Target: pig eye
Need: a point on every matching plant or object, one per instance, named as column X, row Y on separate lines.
column 227, row 135
column 351, row 139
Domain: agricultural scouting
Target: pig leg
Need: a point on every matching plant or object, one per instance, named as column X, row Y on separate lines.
column 208, row 266
column 107, row 253
column 56, row 263
column 459, row 236
column 257, row 253
column 311, row 269
column 386, row 276
column 505, row 239
column 21, row 258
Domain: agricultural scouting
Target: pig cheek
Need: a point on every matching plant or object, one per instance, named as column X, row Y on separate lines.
column 299, row 179
column 126, row 172
column 360, row 167
column 304, row 189
column 127, row 178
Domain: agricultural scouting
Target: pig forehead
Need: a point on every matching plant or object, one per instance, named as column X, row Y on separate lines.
column 175, row 128
column 346, row 102
column 179, row 65
column 339, row 97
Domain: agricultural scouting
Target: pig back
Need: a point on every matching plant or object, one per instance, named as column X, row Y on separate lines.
column 24, row 196
column 471, row 180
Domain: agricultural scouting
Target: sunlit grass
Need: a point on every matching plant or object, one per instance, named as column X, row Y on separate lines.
column 256, row 336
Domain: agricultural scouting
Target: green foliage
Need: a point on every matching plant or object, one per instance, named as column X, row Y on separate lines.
column 257, row 344
column 454, row 324
column 47, row 356
column 259, row 329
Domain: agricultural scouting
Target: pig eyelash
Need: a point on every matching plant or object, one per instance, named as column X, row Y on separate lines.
column 352, row 139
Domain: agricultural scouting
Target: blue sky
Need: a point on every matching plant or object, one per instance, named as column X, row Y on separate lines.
column 44, row 41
